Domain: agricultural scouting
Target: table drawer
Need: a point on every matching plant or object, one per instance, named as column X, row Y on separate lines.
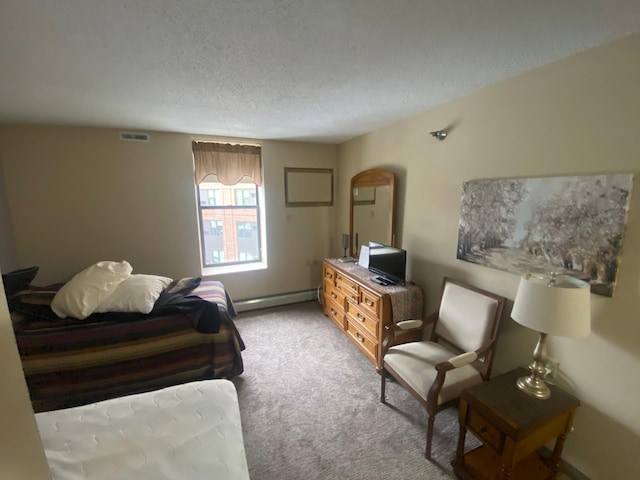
column 486, row 432
column 363, row 319
column 335, row 312
column 370, row 302
column 362, row 340
column 349, row 288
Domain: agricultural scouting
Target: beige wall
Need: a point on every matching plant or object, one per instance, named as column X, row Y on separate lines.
column 80, row 195
column 21, row 454
column 578, row 116
column 7, row 244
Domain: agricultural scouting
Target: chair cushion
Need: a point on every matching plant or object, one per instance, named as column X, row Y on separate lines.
column 465, row 317
column 414, row 362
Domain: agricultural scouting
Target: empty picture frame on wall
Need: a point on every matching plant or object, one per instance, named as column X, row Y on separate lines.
column 308, row 187
column 571, row 225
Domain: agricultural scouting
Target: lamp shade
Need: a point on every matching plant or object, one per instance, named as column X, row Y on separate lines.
column 555, row 305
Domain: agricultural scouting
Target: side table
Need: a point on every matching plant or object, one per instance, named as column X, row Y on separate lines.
column 512, row 427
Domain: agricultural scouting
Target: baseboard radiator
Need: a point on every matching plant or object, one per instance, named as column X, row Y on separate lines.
column 257, row 303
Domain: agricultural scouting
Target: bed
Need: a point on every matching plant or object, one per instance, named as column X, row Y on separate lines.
column 190, row 431
column 189, row 335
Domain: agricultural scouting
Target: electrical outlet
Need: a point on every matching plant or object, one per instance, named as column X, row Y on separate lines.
column 551, row 367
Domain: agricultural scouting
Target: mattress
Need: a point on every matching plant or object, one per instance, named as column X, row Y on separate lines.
column 189, row 431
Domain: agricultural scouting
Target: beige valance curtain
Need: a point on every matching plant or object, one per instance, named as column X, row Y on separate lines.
column 228, row 162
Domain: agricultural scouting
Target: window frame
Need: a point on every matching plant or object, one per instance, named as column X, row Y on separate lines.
column 235, row 266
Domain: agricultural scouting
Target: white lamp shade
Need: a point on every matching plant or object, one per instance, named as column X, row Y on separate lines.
column 561, row 307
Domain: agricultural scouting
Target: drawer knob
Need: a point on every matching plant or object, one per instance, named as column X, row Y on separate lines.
column 368, row 302
column 360, row 337
column 333, row 295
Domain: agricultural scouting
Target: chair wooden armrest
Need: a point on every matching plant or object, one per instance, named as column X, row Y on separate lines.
column 458, row 361
column 407, row 325
column 464, row 358
column 400, row 328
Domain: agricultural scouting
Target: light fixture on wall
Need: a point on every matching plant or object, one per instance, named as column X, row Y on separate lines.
column 551, row 305
column 440, row 134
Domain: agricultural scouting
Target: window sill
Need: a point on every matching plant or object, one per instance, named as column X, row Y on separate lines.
column 245, row 267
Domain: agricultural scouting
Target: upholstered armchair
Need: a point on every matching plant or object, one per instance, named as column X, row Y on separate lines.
column 457, row 355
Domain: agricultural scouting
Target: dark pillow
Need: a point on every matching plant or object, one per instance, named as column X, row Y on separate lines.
column 18, row 280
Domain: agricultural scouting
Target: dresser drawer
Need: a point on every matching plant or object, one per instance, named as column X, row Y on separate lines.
column 370, row 302
column 331, row 292
column 329, row 275
column 486, row 432
column 349, row 288
column 335, row 311
column 362, row 340
column 363, row 319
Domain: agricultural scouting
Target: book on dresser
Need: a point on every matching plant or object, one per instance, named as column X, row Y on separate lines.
column 361, row 308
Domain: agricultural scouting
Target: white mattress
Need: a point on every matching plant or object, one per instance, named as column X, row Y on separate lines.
column 185, row 432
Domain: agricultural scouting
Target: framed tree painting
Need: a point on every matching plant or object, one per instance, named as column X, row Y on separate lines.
column 569, row 225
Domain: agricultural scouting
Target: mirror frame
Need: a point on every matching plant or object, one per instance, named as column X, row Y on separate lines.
column 374, row 177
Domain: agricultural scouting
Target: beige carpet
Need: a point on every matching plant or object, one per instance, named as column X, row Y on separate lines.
column 309, row 401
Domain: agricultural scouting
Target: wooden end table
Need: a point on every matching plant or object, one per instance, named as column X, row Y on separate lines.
column 512, row 427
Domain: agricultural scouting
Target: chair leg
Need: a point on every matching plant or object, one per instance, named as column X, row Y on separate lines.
column 430, row 422
column 383, row 385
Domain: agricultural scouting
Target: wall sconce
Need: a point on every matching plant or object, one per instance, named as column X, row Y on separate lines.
column 439, row 134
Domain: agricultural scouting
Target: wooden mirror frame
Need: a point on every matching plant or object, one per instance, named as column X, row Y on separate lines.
column 375, row 177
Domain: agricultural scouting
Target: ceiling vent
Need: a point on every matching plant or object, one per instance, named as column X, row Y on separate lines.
column 134, row 137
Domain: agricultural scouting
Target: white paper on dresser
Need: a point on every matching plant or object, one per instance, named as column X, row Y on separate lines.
column 363, row 260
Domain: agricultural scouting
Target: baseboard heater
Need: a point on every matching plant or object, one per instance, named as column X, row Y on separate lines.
column 246, row 304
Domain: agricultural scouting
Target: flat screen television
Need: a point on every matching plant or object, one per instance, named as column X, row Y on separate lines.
column 389, row 263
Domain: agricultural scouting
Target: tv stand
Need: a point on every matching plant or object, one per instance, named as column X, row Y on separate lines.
column 361, row 306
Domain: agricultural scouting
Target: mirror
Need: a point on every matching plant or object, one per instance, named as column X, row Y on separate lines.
column 371, row 214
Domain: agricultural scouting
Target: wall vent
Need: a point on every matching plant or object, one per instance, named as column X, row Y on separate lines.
column 134, row 137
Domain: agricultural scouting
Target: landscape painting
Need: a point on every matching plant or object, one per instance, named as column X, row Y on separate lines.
column 569, row 225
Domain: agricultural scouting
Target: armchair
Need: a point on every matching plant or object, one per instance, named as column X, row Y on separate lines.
column 457, row 355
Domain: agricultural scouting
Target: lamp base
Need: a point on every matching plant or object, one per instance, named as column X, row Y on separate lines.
column 534, row 386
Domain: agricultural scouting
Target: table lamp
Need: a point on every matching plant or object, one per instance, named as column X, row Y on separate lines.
column 550, row 304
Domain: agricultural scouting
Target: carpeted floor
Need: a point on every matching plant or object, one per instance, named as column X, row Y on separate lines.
column 309, row 401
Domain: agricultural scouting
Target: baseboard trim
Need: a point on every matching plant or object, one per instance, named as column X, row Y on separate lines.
column 567, row 471
column 277, row 300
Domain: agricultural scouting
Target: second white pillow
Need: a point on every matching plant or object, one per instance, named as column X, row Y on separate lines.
column 138, row 293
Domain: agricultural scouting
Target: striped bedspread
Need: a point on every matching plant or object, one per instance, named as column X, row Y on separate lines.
column 71, row 365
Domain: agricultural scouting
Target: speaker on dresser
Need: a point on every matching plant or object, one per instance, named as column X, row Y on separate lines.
column 345, row 242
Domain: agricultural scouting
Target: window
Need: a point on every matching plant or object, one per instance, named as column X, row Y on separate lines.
column 247, row 229
column 212, row 227
column 210, row 196
column 229, row 206
column 230, row 231
column 245, row 196
column 217, row 256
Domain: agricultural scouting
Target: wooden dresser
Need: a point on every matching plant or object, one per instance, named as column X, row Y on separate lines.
column 361, row 308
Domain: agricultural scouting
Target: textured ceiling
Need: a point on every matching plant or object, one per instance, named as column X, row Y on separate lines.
column 318, row 70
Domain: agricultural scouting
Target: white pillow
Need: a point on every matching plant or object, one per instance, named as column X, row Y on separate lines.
column 80, row 296
column 138, row 293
